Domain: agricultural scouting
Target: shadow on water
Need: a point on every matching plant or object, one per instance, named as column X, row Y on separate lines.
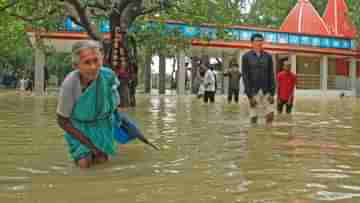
column 209, row 153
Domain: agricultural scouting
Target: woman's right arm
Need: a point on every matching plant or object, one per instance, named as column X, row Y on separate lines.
column 66, row 125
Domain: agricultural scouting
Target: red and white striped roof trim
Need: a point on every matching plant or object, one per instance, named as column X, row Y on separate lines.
column 304, row 19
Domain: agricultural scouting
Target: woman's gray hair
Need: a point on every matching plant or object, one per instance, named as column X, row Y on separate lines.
column 78, row 46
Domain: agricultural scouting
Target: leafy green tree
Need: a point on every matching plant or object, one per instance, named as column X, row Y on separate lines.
column 16, row 17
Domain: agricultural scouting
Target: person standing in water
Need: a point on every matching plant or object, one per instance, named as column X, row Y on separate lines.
column 259, row 82
column 234, row 83
column 286, row 81
column 210, row 85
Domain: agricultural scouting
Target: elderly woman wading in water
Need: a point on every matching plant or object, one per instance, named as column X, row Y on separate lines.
column 87, row 100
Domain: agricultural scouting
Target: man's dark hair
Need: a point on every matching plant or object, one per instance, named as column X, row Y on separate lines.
column 256, row 36
column 283, row 61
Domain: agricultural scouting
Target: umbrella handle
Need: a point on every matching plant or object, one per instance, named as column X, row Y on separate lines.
column 138, row 134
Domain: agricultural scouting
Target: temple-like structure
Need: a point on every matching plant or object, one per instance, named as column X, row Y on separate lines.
column 304, row 19
column 337, row 21
column 322, row 49
column 324, row 71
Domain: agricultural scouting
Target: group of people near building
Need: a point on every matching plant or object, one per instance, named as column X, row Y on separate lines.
column 89, row 97
column 25, row 85
column 260, row 82
column 26, row 82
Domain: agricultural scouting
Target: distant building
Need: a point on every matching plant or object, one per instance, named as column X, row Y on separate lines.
column 322, row 50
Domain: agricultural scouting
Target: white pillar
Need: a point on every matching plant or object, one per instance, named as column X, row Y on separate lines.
column 293, row 63
column 352, row 73
column 39, row 72
column 293, row 66
column 147, row 71
column 181, row 74
column 226, row 63
column 324, row 65
column 239, row 58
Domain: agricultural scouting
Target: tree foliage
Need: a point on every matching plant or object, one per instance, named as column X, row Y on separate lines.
column 16, row 17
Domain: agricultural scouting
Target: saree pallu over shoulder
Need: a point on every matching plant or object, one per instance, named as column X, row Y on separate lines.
column 92, row 115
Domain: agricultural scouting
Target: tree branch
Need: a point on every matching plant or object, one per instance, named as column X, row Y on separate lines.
column 150, row 10
column 99, row 5
column 158, row 8
column 131, row 12
column 72, row 14
column 13, row 3
column 33, row 18
column 120, row 6
column 75, row 20
column 84, row 19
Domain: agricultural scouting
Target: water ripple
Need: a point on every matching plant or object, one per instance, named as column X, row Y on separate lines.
column 9, row 178
column 209, row 151
column 350, row 187
column 331, row 175
column 333, row 196
column 33, row 171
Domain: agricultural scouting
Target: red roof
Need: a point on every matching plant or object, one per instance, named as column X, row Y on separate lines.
column 337, row 21
column 304, row 18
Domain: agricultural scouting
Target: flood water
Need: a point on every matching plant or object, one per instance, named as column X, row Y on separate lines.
column 209, row 154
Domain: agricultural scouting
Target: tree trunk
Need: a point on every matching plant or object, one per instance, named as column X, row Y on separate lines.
column 133, row 84
column 118, row 56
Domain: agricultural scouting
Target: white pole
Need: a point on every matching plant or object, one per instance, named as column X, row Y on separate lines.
column 324, row 73
column 181, row 74
column 39, row 72
column 352, row 72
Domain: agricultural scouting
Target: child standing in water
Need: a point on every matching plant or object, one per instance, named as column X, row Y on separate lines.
column 286, row 81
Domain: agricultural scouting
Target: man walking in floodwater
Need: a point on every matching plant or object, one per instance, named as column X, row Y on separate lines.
column 234, row 83
column 259, row 83
column 87, row 99
column 286, row 81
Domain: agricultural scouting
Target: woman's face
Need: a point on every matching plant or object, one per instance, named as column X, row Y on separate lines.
column 89, row 64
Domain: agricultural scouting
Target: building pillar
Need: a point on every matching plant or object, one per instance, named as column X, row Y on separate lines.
column 239, row 59
column 293, row 63
column 220, row 78
column 324, row 66
column 181, row 74
column 225, row 81
column 194, row 75
column 39, row 72
column 162, row 74
column 353, row 77
column 147, row 71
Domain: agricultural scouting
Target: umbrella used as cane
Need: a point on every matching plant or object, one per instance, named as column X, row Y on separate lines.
column 128, row 131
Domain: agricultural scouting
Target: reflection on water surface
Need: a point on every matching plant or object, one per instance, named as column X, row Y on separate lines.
column 210, row 153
